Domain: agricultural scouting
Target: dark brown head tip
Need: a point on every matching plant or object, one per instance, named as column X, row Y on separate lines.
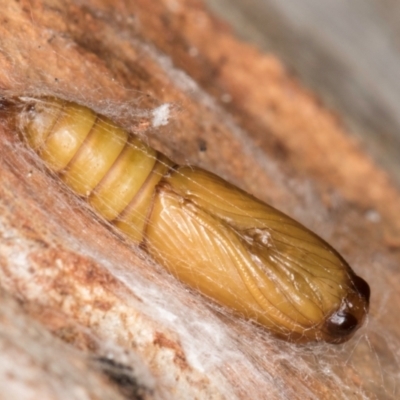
column 341, row 324
column 362, row 288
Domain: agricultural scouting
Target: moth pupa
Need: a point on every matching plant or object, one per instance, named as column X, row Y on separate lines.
column 214, row 237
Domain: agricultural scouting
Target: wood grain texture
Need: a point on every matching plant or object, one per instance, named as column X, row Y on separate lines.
column 348, row 53
column 234, row 111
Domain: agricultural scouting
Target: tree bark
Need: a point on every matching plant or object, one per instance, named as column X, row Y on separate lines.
column 115, row 316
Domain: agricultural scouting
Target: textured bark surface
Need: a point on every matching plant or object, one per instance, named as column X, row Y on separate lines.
column 116, row 317
column 346, row 51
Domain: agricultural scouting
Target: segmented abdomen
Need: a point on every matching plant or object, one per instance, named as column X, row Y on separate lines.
column 98, row 160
